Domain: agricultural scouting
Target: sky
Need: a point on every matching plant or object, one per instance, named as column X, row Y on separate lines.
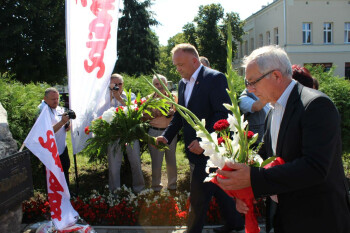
column 174, row 14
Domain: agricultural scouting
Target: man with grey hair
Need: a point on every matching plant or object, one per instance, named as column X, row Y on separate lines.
column 158, row 123
column 303, row 128
column 60, row 123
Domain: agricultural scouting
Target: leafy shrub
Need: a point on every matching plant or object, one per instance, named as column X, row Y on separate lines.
column 21, row 103
column 138, row 84
column 338, row 89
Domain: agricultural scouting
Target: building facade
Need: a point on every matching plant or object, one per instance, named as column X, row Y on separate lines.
column 310, row 31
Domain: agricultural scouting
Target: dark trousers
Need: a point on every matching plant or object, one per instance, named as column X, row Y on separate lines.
column 65, row 161
column 200, row 197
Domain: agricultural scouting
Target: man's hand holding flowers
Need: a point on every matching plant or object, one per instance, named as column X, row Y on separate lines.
column 237, row 178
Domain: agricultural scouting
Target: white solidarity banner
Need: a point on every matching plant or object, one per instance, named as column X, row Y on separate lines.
column 91, row 39
column 41, row 142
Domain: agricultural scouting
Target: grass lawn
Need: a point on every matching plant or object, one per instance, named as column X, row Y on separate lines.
column 95, row 175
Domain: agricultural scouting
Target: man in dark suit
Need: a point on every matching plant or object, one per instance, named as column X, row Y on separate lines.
column 203, row 91
column 303, row 128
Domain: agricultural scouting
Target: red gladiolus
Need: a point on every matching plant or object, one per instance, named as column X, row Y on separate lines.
column 221, row 125
column 87, row 130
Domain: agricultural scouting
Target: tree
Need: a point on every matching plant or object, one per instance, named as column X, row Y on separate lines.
column 210, row 35
column 165, row 65
column 138, row 45
column 190, row 34
column 32, row 40
column 236, row 27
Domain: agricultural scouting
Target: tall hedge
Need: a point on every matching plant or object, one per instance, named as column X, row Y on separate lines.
column 338, row 89
column 21, row 103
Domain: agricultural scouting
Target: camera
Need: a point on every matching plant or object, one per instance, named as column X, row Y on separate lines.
column 71, row 114
column 115, row 88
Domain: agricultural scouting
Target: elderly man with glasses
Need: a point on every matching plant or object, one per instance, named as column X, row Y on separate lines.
column 302, row 128
column 115, row 154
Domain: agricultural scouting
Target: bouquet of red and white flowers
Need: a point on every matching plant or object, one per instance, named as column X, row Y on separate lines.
column 124, row 123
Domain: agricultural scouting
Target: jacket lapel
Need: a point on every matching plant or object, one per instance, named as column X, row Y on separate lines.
column 196, row 86
column 288, row 112
column 267, row 136
column 182, row 93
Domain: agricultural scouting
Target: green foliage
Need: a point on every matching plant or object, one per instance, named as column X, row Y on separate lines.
column 32, row 40
column 137, row 84
column 338, row 89
column 165, row 65
column 138, row 46
column 21, row 103
column 208, row 33
column 211, row 42
column 190, row 34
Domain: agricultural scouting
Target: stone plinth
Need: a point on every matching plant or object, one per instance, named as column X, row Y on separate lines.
column 11, row 220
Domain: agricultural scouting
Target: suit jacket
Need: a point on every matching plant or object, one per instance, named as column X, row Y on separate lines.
column 311, row 186
column 206, row 102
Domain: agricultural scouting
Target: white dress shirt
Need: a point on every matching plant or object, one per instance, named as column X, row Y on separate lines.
column 190, row 84
column 277, row 114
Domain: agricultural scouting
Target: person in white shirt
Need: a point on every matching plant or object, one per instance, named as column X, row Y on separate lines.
column 115, row 154
column 60, row 123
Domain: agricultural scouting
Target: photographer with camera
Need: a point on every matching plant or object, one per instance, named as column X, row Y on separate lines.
column 115, row 154
column 61, row 124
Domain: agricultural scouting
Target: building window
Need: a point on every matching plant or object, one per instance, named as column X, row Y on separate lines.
column 347, row 70
column 306, row 33
column 251, row 44
column 261, row 40
column 268, row 38
column 275, row 35
column 327, row 33
column 347, row 33
column 246, row 47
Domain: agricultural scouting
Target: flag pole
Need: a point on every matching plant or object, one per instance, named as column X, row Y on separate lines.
column 76, row 175
column 22, row 147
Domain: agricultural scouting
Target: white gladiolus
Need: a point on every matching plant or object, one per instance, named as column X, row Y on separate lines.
column 217, row 160
column 200, row 134
column 243, row 122
column 233, row 122
column 109, row 115
column 235, row 143
column 208, row 147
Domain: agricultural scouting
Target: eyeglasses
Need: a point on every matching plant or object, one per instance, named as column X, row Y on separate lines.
column 252, row 84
